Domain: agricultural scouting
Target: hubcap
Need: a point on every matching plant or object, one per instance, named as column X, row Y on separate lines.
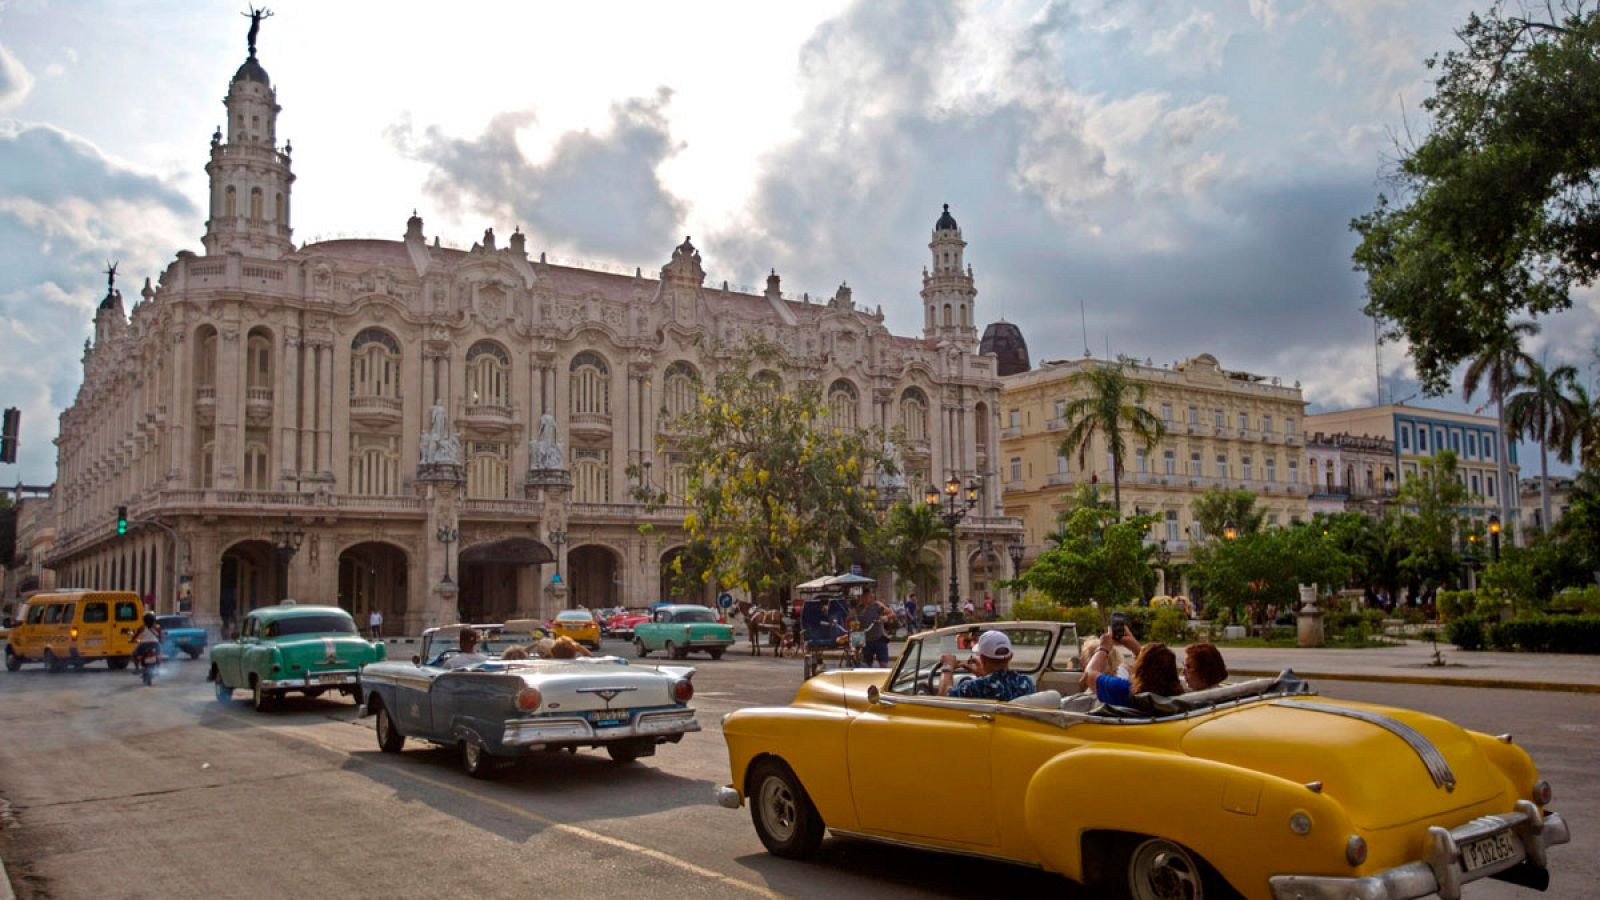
column 471, row 752
column 383, row 725
column 1161, row 870
column 778, row 809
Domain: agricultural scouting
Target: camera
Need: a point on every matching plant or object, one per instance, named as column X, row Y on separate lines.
column 1119, row 625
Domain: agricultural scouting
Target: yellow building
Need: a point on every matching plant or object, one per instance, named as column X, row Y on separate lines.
column 1224, row 429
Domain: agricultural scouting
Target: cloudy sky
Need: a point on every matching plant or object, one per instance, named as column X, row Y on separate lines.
column 1184, row 171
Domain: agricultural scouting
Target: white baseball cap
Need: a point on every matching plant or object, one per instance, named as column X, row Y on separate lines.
column 994, row 645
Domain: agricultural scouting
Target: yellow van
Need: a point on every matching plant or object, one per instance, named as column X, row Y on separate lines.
column 72, row 628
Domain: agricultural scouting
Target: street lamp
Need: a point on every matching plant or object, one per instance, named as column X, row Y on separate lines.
column 1016, row 552
column 1494, row 537
column 1163, row 556
column 558, row 538
column 951, row 508
column 447, row 535
column 1230, row 531
column 286, row 540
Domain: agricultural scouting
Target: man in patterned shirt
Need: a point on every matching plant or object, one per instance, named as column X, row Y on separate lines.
column 992, row 665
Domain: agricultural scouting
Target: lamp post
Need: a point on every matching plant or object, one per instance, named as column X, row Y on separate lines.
column 1494, row 537
column 286, row 540
column 1230, row 531
column 1016, row 552
column 447, row 535
column 951, row 508
column 1163, row 556
column 559, row 537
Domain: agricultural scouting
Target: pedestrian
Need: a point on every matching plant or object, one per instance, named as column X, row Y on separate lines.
column 375, row 623
column 967, row 608
column 913, row 614
column 988, row 607
column 870, row 616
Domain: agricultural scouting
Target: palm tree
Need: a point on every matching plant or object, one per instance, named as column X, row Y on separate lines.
column 912, row 527
column 1111, row 406
column 1546, row 412
column 1499, row 366
column 1586, row 429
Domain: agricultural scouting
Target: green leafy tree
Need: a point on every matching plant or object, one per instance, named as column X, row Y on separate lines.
column 1262, row 568
column 1434, row 499
column 1499, row 367
column 909, row 529
column 1093, row 557
column 774, row 492
column 1546, row 411
column 1375, row 546
column 1111, row 408
column 1215, row 508
column 1494, row 212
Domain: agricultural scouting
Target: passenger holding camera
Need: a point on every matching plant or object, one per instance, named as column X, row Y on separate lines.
column 1155, row 668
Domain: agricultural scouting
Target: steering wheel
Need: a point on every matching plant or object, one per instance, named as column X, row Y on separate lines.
column 443, row 655
column 931, row 688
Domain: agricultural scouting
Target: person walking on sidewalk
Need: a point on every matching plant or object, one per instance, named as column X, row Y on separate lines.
column 375, row 624
column 913, row 614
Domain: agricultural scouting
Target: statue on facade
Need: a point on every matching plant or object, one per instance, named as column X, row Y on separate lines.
column 255, row 16
column 546, row 450
column 891, row 481
column 439, row 446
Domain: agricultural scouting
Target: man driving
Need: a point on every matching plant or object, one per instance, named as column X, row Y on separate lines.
column 469, row 655
column 992, row 665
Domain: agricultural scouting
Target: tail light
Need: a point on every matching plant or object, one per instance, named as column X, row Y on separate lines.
column 683, row 690
column 1541, row 793
column 528, row 699
column 73, row 632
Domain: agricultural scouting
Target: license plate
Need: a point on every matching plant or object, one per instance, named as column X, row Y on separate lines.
column 601, row 722
column 328, row 679
column 93, row 642
column 1487, row 851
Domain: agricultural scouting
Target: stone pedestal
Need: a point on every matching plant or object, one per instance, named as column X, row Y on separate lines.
column 440, row 486
column 1309, row 618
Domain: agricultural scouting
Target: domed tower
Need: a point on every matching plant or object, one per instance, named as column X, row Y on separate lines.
column 250, row 176
column 948, row 294
column 1004, row 340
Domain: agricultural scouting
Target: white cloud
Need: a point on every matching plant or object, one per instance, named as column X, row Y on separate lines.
column 1195, row 44
column 15, row 80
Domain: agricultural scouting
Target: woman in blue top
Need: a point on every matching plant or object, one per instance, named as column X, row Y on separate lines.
column 1155, row 671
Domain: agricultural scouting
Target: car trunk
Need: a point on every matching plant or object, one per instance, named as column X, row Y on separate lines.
column 315, row 653
column 591, row 687
column 1339, row 752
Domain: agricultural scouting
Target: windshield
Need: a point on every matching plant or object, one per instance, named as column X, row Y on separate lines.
column 1028, row 646
column 175, row 622
column 574, row 615
column 695, row 614
column 329, row 623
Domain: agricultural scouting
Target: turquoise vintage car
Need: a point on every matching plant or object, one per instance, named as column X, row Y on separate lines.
column 679, row 629
column 291, row 648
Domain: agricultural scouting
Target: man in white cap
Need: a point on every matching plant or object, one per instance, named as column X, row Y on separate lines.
column 992, row 665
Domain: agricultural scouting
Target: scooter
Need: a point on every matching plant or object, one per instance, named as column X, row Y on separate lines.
column 147, row 663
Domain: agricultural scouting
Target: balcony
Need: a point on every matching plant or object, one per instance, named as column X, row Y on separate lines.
column 1012, row 431
column 376, row 411
column 489, row 418
column 258, row 404
column 1055, row 479
column 590, row 425
column 1192, row 427
column 917, row 448
column 1014, row 486
column 1055, row 424
column 501, row 509
column 205, row 403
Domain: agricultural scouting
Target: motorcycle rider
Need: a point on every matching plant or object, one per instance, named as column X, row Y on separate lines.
column 147, row 642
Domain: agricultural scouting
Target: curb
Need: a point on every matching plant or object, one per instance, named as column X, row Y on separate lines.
column 1563, row 687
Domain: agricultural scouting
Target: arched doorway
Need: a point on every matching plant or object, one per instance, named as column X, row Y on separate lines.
column 500, row 579
column 983, row 567
column 249, row 580
column 595, row 577
column 668, row 575
column 373, row 575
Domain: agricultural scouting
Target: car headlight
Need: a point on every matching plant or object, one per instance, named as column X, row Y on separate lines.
column 1355, row 850
column 1300, row 823
column 1541, row 793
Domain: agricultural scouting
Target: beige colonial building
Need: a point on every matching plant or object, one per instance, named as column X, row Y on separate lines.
column 35, row 537
column 440, row 427
column 1224, row 429
column 1349, row 472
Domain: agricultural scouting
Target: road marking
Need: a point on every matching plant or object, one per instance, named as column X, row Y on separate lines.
column 552, row 824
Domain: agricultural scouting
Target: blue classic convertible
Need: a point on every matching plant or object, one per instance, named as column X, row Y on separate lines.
column 497, row 710
column 179, row 633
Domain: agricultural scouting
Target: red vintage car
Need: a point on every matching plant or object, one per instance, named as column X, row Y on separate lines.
column 621, row 625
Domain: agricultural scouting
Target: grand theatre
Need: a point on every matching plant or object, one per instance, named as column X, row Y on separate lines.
column 365, row 421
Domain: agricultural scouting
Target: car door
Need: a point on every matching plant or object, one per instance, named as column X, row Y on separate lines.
column 94, row 627
column 248, row 636
column 896, row 746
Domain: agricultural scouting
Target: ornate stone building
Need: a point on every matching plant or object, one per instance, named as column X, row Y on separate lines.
column 432, row 428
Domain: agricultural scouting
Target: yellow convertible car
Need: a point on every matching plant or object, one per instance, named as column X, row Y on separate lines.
column 1259, row 789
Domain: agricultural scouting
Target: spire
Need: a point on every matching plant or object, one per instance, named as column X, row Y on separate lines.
column 948, row 293
column 250, row 176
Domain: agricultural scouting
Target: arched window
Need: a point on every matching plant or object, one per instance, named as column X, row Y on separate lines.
column 591, row 476
column 488, row 375
column 842, row 405
column 374, row 464
column 590, row 389
column 914, row 414
column 205, row 362
column 255, row 467
column 230, row 202
column 768, row 384
column 277, row 208
column 680, row 391
column 677, row 479
column 255, row 206
column 965, row 318
column 258, row 361
column 374, row 365
column 947, row 319
column 208, row 457
column 488, row 471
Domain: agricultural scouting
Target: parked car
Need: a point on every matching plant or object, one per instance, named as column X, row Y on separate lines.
column 681, row 629
column 1260, row 788
column 178, row 633
column 75, row 628
column 578, row 624
column 622, row 624
column 290, row 648
column 499, row 711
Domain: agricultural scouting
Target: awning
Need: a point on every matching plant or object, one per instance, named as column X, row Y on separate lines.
column 510, row 551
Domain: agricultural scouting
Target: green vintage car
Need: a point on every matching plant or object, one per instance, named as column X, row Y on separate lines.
column 292, row 648
column 681, row 629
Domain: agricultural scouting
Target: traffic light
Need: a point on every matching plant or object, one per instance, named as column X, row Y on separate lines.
column 122, row 520
column 9, row 434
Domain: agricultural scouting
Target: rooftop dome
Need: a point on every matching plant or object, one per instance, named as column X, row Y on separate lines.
column 1004, row 340
column 252, row 71
column 946, row 222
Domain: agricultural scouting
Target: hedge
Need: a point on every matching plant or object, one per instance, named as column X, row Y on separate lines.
column 1467, row 632
column 1550, row 634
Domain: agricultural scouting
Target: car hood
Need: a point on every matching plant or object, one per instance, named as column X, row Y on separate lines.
column 583, row 686
column 327, row 651
column 1372, row 759
column 185, row 633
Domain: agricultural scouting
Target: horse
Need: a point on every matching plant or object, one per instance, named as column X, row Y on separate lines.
column 758, row 621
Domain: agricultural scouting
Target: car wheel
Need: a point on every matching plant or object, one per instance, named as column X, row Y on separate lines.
column 357, row 694
column 786, row 821
column 673, row 652
column 640, row 648
column 261, row 698
column 13, row 661
column 116, row 663
column 716, row 652
column 1159, row 869
column 389, row 740
column 224, row 693
column 52, row 662
column 624, row 751
column 193, row 652
column 476, row 761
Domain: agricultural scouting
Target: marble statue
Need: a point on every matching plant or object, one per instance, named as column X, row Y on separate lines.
column 896, row 480
column 439, row 446
column 546, row 450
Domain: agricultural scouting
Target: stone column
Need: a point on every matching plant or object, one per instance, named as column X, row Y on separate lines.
column 205, row 560
column 307, row 363
column 325, row 409
column 229, row 452
column 285, row 404
column 441, row 488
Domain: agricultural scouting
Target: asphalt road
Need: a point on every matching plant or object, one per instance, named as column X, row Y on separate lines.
column 108, row 788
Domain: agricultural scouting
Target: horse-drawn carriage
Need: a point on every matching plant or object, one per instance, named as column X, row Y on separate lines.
column 826, row 626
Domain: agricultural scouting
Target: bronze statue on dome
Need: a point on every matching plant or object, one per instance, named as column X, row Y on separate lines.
column 255, row 16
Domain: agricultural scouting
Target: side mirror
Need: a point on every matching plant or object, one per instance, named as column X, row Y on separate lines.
column 416, row 660
column 233, row 636
column 873, row 694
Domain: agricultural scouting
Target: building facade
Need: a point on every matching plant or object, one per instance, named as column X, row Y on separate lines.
column 1223, row 429
column 1349, row 472
column 435, row 432
column 35, row 533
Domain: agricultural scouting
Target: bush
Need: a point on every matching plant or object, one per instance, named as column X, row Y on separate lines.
column 1549, row 634
column 1168, row 625
column 1453, row 605
column 1577, row 600
column 1412, row 616
column 1036, row 606
column 1342, row 622
column 1372, row 621
column 1467, row 632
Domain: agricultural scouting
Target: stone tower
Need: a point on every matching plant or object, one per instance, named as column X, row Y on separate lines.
column 948, row 294
column 250, row 176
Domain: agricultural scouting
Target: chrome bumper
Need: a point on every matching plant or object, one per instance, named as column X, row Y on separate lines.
column 563, row 729
column 315, row 680
column 728, row 798
column 1440, row 871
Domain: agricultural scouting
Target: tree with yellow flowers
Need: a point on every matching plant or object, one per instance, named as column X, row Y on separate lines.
column 776, row 493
